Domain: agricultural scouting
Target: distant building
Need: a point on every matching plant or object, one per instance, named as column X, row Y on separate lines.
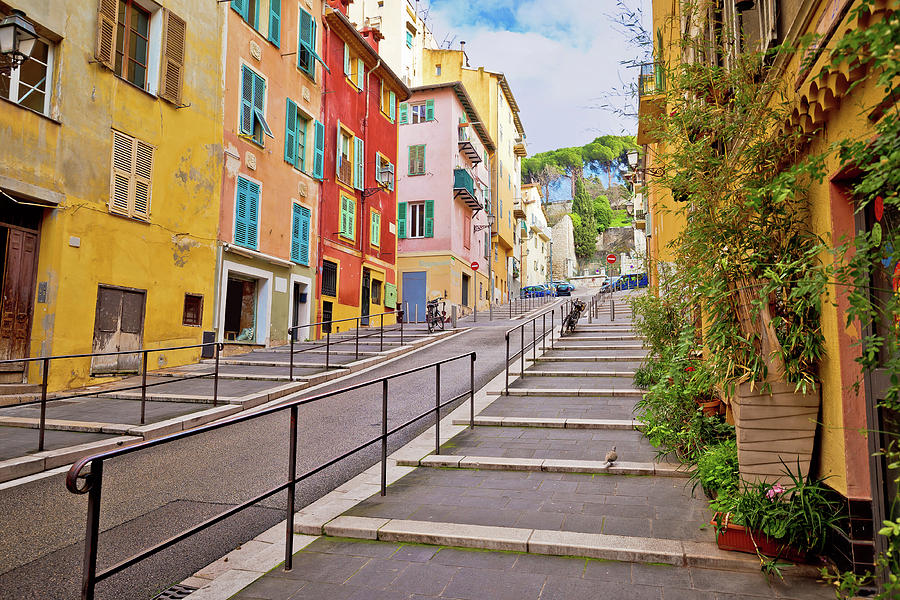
column 534, row 237
column 563, row 250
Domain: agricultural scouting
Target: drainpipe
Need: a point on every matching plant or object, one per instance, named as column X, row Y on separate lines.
column 323, row 111
column 363, row 234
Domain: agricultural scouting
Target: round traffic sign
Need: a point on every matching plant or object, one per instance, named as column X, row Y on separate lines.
column 611, row 258
column 474, row 266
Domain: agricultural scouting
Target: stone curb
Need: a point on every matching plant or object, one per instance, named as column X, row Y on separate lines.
column 622, row 374
column 589, row 358
column 554, row 423
column 23, row 466
column 549, row 465
column 567, row 392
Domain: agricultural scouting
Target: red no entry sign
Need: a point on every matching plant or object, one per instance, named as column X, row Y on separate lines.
column 474, row 266
column 611, row 258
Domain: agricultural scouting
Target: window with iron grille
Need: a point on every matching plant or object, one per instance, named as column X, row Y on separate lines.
column 376, row 292
column 329, row 278
column 193, row 310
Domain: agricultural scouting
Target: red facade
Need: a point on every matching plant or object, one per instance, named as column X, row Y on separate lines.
column 357, row 213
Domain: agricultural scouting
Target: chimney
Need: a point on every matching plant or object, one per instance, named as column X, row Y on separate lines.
column 372, row 35
column 462, row 47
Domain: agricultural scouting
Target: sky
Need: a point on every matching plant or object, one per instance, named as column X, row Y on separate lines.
column 561, row 57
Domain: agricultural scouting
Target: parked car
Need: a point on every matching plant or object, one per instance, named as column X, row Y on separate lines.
column 563, row 288
column 535, row 291
column 610, row 284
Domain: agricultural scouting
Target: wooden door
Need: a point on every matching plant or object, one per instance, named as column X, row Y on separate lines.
column 366, row 296
column 17, row 293
column 118, row 326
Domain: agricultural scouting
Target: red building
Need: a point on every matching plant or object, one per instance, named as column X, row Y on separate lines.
column 358, row 204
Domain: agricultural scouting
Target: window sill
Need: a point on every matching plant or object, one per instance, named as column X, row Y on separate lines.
column 137, row 87
column 251, row 140
column 416, row 174
column 140, row 220
column 31, row 110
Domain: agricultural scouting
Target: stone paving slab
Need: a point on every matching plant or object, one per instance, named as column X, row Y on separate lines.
column 18, row 441
column 548, row 393
column 573, row 382
column 660, row 507
column 104, row 410
column 626, row 368
column 556, row 371
column 565, row 407
column 625, row 424
column 549, row 465
column 533, row 442
column 580, row 356
column 342, row 569
column 237, row 371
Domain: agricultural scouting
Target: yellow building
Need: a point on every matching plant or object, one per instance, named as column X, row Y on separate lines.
column 827, row 107
column 495, row 102
column 110, row 172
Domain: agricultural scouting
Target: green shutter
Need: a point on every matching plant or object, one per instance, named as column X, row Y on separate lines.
column 290, row 133
column 360, row 73
column 246, row 211
column 429, row 218
column 247, row 79
column 242, row 7
column 429, row 110
column 305, row 217
column 412, row 160
column 401, row 220
column 307, row 42
column 375, row 234
column 346, row 59
column 319, row 152
column 393, row 108
column 393, row 176
column 295, row 232
column 275, row 21
column 359, row 162
column 404, row 113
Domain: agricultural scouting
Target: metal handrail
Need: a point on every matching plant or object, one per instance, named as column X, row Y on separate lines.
column 93, row 479
column 45, row 373
column 532, row 344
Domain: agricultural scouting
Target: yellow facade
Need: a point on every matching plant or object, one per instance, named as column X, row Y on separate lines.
column 445, row 271
column 61, row 160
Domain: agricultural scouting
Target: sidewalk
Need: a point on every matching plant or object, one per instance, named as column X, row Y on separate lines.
column 519, row 507
column 102, row 417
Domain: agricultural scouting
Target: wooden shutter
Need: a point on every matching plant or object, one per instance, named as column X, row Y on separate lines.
column 290, row 133
column 107, row 31
column 305, row 217
column 359, row 162
column 429, row 218
column 143, row 170
column 393, row 108
column 172, row 75
column 404, row 113
column 768, row 24
column 241, row 224
column 345, row 218
column 360, row 73
column 120, row 184
column 247, row 79
column 429, row 110
column 346, row 59
column 319, row 152
column 401, row 220
column 307, row 41
column 275, row 21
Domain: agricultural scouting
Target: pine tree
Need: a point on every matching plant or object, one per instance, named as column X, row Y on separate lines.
column 586, row 231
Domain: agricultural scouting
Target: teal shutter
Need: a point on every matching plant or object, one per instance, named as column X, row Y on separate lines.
column 242, row 7
column 351, row 212
column 429, row 110
column 290, row 133
column 429, row 218
column 393, row 108
column 375, row 235
column 359, row 162
column 275, row 21
column 401, row 220
column 252, row 214
column 246, row 212
column 360, row 73
column 247, row 79
column 304, row 235
column 404, row 113
column 307, row 42
column 346, row 59
column 295, row 232
column 319, row 152
column 343, row 216
column 393, row 176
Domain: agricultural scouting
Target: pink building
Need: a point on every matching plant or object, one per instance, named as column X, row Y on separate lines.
column 443, row 183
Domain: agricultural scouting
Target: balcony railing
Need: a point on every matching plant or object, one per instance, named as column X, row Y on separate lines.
column 652, row 80
column 464, row 188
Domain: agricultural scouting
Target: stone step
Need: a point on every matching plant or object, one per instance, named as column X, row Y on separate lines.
column 565, row 392
column 617, row 358
column 558, row 423
column 547, row 465
column 622, row 374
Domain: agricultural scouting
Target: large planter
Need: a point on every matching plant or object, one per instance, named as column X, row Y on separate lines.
column 740, row 539
column 776, row 427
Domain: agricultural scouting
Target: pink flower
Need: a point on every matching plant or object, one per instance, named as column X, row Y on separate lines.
column 774, row 491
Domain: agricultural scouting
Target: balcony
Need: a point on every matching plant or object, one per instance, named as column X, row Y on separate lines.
column 464, row 188
column 465, row 145
column 651, row 91
column 519, row 149
column 541, row 231
column 519, row 209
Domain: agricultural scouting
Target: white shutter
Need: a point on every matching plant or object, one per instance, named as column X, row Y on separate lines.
column 143, row 170
column 120, row 186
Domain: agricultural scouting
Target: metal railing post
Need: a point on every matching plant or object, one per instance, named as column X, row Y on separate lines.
column 534, row 338
column 143, row 386
column 219, row 346
column 544, row 332
column 403, row 320
column 552, row 326
column 472, row 391
column 510, row 307
column 92, row 530
column 437, row 409
column 522, row 357
column 612, row 309
column 327, row 348
column 384, row 425
column 358, row 325
column 507, row 363
column 291, row 368
column 381, row 335
column 291, row 494
column 44, row 375
column 591, row 312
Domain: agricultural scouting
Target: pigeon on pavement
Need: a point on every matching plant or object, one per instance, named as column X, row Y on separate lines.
column 611, row 457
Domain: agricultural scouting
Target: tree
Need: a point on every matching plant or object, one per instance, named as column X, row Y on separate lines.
column 576, row 219
column 542, row 170
column 603, row 213
column 586, row 232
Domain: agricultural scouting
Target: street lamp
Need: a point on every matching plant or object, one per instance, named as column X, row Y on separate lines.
column 17, row 37
column 632, row 156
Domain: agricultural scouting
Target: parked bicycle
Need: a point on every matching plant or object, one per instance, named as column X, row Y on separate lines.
column 571, row 320
column 434, row 317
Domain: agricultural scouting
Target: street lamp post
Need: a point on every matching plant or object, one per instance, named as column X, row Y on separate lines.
column 490, row 228
column 17, row 37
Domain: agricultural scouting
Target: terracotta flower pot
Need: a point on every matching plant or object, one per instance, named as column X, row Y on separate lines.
column 740, row 539
column 774, row 427
column 711, row 408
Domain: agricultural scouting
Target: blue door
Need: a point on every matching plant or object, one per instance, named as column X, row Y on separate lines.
column 414, row 296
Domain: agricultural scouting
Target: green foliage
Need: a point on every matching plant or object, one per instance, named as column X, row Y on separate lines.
column 603, row 213
column 607, row 151
column 585, row 232
column 576, row 220
column 620, row 218
column 717, row 469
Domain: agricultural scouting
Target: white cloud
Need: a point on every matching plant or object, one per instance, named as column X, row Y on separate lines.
column 560, row 67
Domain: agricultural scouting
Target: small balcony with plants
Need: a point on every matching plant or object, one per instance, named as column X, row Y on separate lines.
column 464, row 188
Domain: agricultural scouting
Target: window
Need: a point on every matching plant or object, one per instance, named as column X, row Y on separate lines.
column 300, row 218
column 375, row 297
column 132, row 169
column 132, row 43
column 354, row 68
column 250, row 11
column 375, row 233
column 437, row 70
column 421, row 112
column 246, row 213
column 193, row 310
column 415, row 219
column 253, row 105
column 348, row 217
column 29, row 85
column 388, row 102
column 409, row 39
column 296, row 125
column 417, row 160
column 384, row 172
column 329, row 280
column 344, row 170
column 306, row 56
